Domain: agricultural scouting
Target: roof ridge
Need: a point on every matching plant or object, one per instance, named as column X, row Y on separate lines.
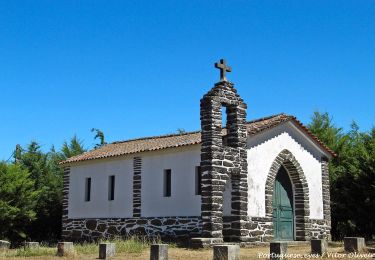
column 155, row 137
column 192, row 132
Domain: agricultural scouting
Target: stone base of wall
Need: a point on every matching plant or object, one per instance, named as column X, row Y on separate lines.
column 320, row 229
column 164, row 227
column 260, row 229
column 257, row 229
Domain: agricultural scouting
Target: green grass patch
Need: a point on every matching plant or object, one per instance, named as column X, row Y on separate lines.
column 132, row 245
column 86, row 248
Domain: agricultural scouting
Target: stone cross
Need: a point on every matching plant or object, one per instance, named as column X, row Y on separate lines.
column 222, row 66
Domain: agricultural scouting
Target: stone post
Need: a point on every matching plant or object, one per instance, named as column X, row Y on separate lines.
column 31, row 245
column 354, row 244
column 107, row 250
column 159, row 252
column 65, row 248
column 278, row 250
column 4, row 244
column 226, row 252
column 319, row 246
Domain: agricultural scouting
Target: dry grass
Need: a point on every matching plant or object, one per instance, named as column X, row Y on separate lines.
column 91, row 252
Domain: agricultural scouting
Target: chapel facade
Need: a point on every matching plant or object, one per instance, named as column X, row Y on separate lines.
column 237, row 181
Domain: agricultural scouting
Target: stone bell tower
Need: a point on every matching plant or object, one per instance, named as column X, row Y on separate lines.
column 223, row 157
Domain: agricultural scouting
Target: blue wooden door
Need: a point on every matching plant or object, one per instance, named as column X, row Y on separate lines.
column 283, row 219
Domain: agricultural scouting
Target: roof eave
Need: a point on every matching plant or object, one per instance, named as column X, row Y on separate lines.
column 325, row 149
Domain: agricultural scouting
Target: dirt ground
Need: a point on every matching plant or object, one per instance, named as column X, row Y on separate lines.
column 300, row 252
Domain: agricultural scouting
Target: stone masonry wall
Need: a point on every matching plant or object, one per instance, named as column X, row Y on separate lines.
column 65, row 200
column 326, row 227
column 137, row 186
column 260, row 228
column 319, row 229
column 165, row 227
column 222, row 159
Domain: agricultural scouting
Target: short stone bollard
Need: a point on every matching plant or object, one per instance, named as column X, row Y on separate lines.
column 4, row 244
column 31, row 245
column 319, row 246
column 65, row 248
column 159, row 252
column 354, row 244
column 107, row 250
column 226, row 252
column 278, row 250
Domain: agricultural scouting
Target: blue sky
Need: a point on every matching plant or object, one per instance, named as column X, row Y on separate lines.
column 139, row 68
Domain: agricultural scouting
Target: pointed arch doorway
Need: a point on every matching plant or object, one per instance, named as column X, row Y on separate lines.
column 300, row 194
column 282, row 204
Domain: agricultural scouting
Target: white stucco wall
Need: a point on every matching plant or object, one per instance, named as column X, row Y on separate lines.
column 183, row 201
column 262, row 151
column 99, row 206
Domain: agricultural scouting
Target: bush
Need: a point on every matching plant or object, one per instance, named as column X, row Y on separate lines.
column 17, row 201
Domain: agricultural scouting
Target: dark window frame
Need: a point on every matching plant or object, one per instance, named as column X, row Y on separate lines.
column 88, row 189
column 111, row 187
column 167, row 183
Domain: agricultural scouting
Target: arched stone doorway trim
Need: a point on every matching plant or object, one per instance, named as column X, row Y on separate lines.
column 301, row 191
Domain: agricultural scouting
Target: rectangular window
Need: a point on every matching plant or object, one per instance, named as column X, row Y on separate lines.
column 111, row 187
column 198, row 180
column 88, row 189
column 167, row 182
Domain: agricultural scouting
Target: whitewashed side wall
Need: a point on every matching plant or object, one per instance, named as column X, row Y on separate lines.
column 183, row 201
column 99, row 206
column 262, row 151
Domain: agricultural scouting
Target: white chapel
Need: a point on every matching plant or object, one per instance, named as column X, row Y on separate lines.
column 248, row 181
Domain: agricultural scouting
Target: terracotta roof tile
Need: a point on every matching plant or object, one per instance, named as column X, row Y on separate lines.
column 177, row 140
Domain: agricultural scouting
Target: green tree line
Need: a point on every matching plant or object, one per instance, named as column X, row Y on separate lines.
column 352, row 177
column 31, row 185
column 31, row 191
